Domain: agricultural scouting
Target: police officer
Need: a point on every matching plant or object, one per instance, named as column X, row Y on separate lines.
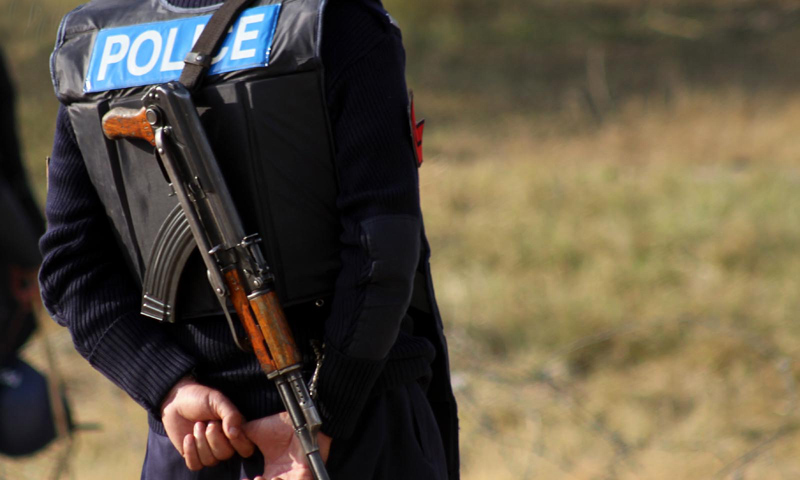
column 305, row 105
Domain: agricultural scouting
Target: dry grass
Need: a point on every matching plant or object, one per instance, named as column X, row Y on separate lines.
column 630, row 289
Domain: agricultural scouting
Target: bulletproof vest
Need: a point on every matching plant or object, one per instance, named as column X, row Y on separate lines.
column 263, row 109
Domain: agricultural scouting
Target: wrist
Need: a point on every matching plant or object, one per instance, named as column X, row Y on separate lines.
column 185, row 381
column 324, row 442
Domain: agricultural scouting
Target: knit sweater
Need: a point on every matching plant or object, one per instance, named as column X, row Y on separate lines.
column 86, row 286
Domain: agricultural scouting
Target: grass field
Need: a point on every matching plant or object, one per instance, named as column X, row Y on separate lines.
column 611, row 191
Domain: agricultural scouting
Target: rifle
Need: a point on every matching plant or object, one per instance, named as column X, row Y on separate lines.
column 236, row 267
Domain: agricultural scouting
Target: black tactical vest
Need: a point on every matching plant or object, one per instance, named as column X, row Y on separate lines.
column 269, row 130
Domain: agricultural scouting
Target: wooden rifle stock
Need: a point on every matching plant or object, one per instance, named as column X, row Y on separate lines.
column 128, row 123
column 266, row 326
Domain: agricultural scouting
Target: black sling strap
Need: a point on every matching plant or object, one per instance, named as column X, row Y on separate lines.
column 199, row 59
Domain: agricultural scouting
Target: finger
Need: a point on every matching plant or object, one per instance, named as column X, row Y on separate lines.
column 221, row 447
column 190, row 454
column 203, row 449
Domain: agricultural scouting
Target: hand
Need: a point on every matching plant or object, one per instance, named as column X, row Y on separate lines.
column 203, row 425
column 284, row 458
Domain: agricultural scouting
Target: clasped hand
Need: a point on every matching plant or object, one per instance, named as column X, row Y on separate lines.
column 206, row 428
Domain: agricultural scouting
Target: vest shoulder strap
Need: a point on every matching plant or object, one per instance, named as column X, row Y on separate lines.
column 199, row 59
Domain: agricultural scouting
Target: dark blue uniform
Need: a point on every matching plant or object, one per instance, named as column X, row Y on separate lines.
column 379, row 388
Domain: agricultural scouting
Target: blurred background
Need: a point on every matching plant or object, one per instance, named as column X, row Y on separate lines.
column 611, row 190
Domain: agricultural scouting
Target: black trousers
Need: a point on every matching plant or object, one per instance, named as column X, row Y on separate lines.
column 397, row 439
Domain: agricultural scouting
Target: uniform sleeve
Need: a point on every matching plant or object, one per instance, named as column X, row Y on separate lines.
column 86, row 286
column 378, row 202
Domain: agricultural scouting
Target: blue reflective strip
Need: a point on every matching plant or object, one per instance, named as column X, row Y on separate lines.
column 153, row 53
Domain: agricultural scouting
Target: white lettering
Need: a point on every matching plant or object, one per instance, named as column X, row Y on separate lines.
column 222, row 51
column 197, row 31
column 243, row 35
column 167, row 64
column 139, row 70
column 108, row 58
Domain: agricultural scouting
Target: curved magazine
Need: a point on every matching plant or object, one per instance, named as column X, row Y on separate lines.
column 173, row 245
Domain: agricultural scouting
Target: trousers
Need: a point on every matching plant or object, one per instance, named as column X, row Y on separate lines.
column 397, row 438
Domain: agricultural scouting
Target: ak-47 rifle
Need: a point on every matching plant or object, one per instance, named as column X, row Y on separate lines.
column 236, row 267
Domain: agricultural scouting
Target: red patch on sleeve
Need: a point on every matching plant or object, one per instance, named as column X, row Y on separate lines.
column 416, row 129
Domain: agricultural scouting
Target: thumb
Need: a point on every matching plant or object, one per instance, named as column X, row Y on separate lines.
column 232, row 421
column 226, row 411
